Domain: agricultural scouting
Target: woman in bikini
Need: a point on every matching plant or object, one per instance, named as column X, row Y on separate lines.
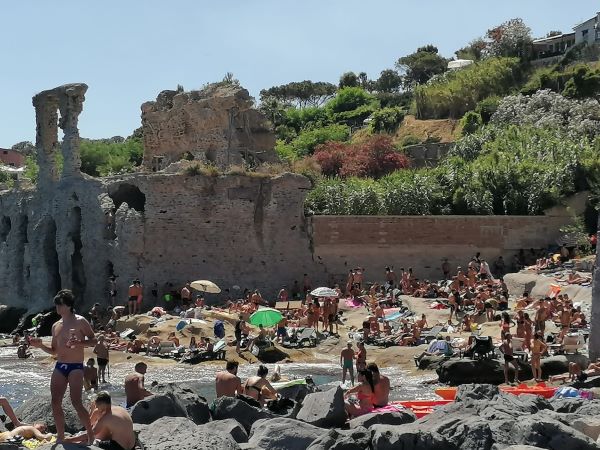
column 361, row 357
column 520, row 325
column 505, row 323
column 528, row 326
column 259, row 388
column 359, row 399
column 538, row 349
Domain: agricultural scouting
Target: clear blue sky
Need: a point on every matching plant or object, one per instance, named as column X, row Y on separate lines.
column 127, row 51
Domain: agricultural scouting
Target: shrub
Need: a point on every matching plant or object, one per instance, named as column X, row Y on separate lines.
column 471, row 122
column 102, row 157
column 349, row 99
column 487, row 107
column 455, row 93
column 387, row 120
column 374, row 157
column 410, row 139
column 308, row 140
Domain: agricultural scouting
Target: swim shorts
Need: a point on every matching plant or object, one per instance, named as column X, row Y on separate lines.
column 582, row 377
column 509, row 358
column 133, row 298
column 281, row 331
column 102, row 362
column 66, row 368
column 348, row 364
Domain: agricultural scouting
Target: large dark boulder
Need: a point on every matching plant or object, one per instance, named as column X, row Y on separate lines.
column 486, row 371
column 181, row 433
column 39, row 409
column 156, row 406
column 324, row 409
column 196, row 407
column 283, row 434
column 226, row 426
column 407, row 437
column 556, row 365
column 541, row 431
column 567, row 405
column 383, row 418
column 476, row 392
column 232, row 408
column 355, row 439
column 63, row 447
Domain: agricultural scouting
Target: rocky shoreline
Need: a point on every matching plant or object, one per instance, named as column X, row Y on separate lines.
column 482, row 417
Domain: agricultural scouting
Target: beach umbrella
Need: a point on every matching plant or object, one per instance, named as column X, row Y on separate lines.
column 181, row 325
column 205, row 286
column 267, row 317
column 324, row 292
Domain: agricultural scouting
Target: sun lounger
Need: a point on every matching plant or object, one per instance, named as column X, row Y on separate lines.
column 430, row 335
column 304, row 337
column 197, row 356
column 571, row 343
column 518, row 350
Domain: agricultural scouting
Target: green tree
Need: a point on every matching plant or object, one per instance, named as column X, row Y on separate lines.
column 389, row 81
column 420, row 66
column 348, row 79
column 300, row 94
column 474, row 51
column 349, row 99
column 511, row 38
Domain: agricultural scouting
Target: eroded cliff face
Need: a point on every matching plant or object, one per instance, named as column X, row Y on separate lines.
column 239, row 230
column 216, row 125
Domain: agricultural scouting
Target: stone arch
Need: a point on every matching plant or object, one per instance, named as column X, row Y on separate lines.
column 130, row 194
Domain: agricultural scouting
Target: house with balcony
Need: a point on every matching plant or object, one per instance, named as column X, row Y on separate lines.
column 550, row 49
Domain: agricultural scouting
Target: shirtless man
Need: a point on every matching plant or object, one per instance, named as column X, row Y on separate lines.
column 565, row 322
column 540, row 318
column 381, row 393
column 347, row 362
column 227, row 383
column 113, row 427
column 132, row 293
column 134, row 385
column 70, row 335
column 101, row 351
column 186, row 295
column 281, row 329
column 507, row 349
column 446, row 269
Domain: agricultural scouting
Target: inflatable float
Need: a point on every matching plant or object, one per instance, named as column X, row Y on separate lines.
column 449, row 393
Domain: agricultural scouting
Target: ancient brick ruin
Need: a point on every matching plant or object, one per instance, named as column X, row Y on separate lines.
column 216, row 125
column 234, row 229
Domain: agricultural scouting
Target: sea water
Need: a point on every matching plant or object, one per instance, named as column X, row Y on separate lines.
column 21, row 379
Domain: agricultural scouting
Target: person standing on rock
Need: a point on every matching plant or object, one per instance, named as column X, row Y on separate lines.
column 102, row 356
column 507, row 350
column 347, row 362
column 227, row 383
column 70, row 335
column 538, row 348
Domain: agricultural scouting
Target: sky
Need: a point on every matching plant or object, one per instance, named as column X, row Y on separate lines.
column 127, row 51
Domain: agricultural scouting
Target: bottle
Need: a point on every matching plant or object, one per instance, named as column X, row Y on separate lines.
column 72, row 337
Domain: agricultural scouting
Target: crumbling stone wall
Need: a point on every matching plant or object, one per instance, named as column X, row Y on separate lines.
column 236, row 230
column 216, row 124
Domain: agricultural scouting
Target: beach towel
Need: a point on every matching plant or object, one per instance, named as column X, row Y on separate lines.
column 353, row 303
column 554, row 290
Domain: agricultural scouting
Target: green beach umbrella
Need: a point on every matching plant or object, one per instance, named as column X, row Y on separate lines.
column 267, row 317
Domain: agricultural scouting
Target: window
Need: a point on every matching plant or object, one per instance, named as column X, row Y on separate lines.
column 5, row 152
column 584, row 33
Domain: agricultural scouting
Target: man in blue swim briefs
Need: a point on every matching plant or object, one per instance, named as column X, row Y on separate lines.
column 70, row 335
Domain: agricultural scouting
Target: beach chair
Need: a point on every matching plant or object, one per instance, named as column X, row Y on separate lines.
column 197, row 356
column 304, row 337
column 518, row 351
column 481, row 347
column 166, row 348
column 572, row 343
column 431, row 334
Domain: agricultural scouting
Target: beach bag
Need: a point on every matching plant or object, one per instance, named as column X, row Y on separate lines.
column 219, row 329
